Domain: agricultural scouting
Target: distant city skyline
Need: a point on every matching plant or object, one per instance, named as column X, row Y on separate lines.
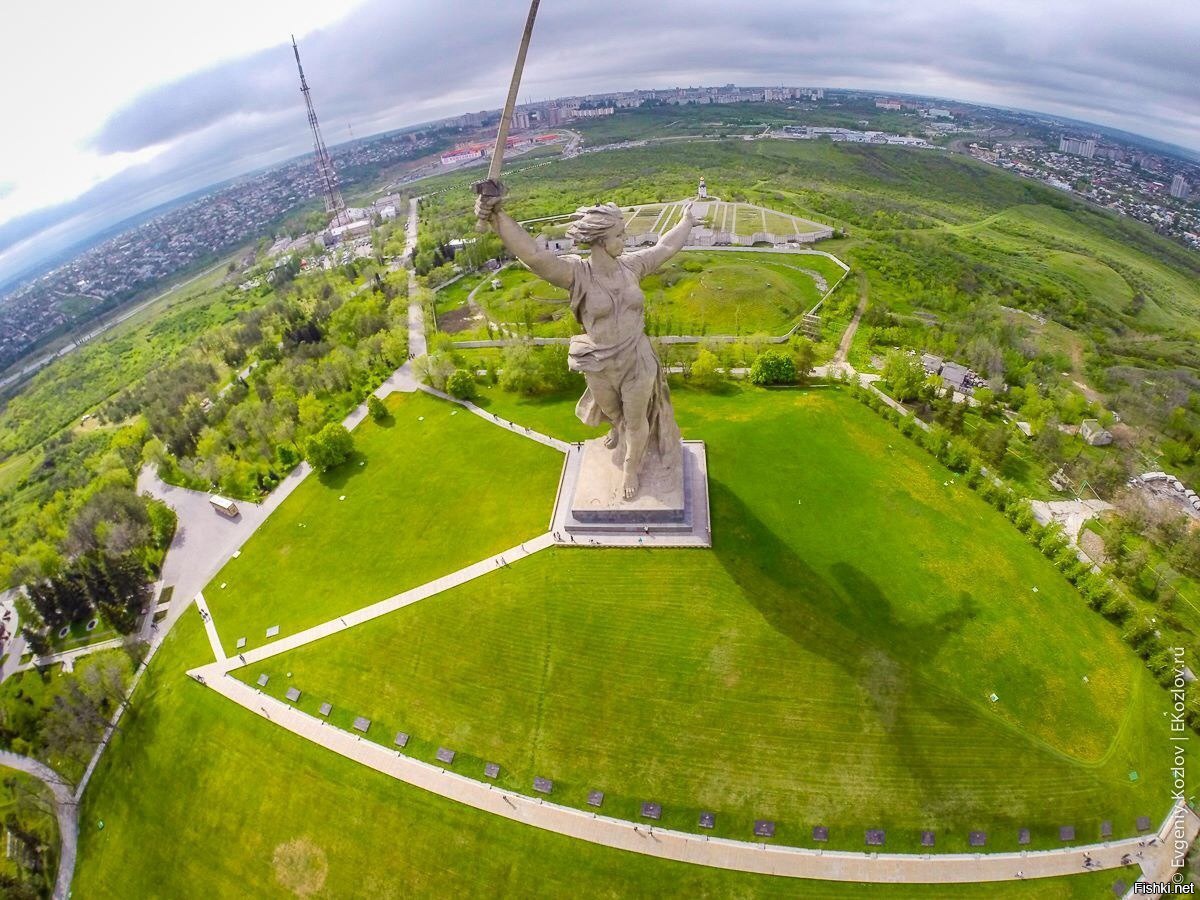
column 154, row 103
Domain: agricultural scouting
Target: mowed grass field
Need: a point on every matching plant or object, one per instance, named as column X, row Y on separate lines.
column 830, row 662
column 269, row 815
column 698, row 293
column 736, row 293
column 433, row 489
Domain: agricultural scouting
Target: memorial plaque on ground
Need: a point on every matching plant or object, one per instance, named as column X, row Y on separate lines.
column 272, row 631
column 820, row 833
column 262, row 680
column 707, row 820
column 293, row 694
column 1106, row 829
column 445, row 755
column 326, row 709
column 1143, row 823
column 595, row 798
column 875, row 837
column 543, row 785
column 362, row 723
column 1023, row 836
column 241, row 642
column 492, row 770
column 927, row 838
column 764, row 828
column 651, row 811
column 978, row 838
column 1066, row 833
column 401, row 739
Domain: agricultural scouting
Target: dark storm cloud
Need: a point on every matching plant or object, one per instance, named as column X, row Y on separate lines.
column 1131, row 66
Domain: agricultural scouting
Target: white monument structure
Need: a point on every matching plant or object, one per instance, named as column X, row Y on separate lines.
column 640, row 477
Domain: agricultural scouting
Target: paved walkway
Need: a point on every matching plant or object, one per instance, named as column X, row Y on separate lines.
column 416, row 314
column 66, row 808
column 383, row 607
column 524, row 431
column 692, row 848
column 210, row 627
column 68, row 657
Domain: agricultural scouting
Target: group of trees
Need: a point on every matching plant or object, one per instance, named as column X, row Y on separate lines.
column 1052, row 448
column 115, row 588
column 308, row 355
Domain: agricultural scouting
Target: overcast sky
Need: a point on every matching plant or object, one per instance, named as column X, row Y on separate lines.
column 110, row 109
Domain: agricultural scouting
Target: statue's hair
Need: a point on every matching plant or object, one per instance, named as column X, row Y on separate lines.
column 595, row 223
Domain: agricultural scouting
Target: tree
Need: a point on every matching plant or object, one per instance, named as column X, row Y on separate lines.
column 805, row 355
column 772, row 367
column 519, row 370
column 329, row 447
column 375, row 407
column 993, row 442
column 1186, row 553
column 434, row 368
column 706, row 372
column 904, row 374
column 118, row 589
column 461, row 384
column 986, row 398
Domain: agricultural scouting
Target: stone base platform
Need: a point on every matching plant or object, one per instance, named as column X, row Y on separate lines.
column 671, row 509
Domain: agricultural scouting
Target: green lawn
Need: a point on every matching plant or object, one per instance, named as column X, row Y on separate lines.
column 439, row 489
column 271, row 815
column 699, row 292
column 829, row 662
column 735, row 293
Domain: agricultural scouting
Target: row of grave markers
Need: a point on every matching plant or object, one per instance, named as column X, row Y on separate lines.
column 763, row 828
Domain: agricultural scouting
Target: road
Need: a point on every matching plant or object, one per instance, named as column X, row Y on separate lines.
column 65, row 808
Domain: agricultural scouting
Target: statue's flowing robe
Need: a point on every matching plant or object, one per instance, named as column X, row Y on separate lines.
column 631, row 358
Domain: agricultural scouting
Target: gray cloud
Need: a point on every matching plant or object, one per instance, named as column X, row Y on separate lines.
column 1128, row 66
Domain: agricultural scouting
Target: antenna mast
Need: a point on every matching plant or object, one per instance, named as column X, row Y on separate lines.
column 335, row 206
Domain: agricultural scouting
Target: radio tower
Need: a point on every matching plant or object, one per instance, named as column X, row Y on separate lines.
column 334, row 204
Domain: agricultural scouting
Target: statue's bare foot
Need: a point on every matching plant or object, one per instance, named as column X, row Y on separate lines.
column 631, row 485
column 612, row 438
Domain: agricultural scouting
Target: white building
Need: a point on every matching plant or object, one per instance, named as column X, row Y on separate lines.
column 1180, row 188
column 1077, row 147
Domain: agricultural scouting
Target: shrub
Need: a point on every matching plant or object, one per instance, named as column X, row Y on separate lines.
column 706, row 371
column 461, row 384
column 773, row 367
column 376, row 408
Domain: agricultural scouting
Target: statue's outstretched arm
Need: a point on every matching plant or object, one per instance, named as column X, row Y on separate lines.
column 669, row 244
column 516, row 239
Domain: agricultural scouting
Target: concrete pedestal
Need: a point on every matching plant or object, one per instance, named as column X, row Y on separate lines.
column 670, row 509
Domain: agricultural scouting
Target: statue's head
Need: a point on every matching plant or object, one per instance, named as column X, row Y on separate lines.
column 600, row 227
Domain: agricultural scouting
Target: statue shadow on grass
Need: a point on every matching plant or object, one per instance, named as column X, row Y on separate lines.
column 849, row 620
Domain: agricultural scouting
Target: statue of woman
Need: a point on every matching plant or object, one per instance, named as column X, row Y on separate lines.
column 626, row 384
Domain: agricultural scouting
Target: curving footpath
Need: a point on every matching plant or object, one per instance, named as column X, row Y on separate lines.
column 65, row 808
column 1152, row 853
